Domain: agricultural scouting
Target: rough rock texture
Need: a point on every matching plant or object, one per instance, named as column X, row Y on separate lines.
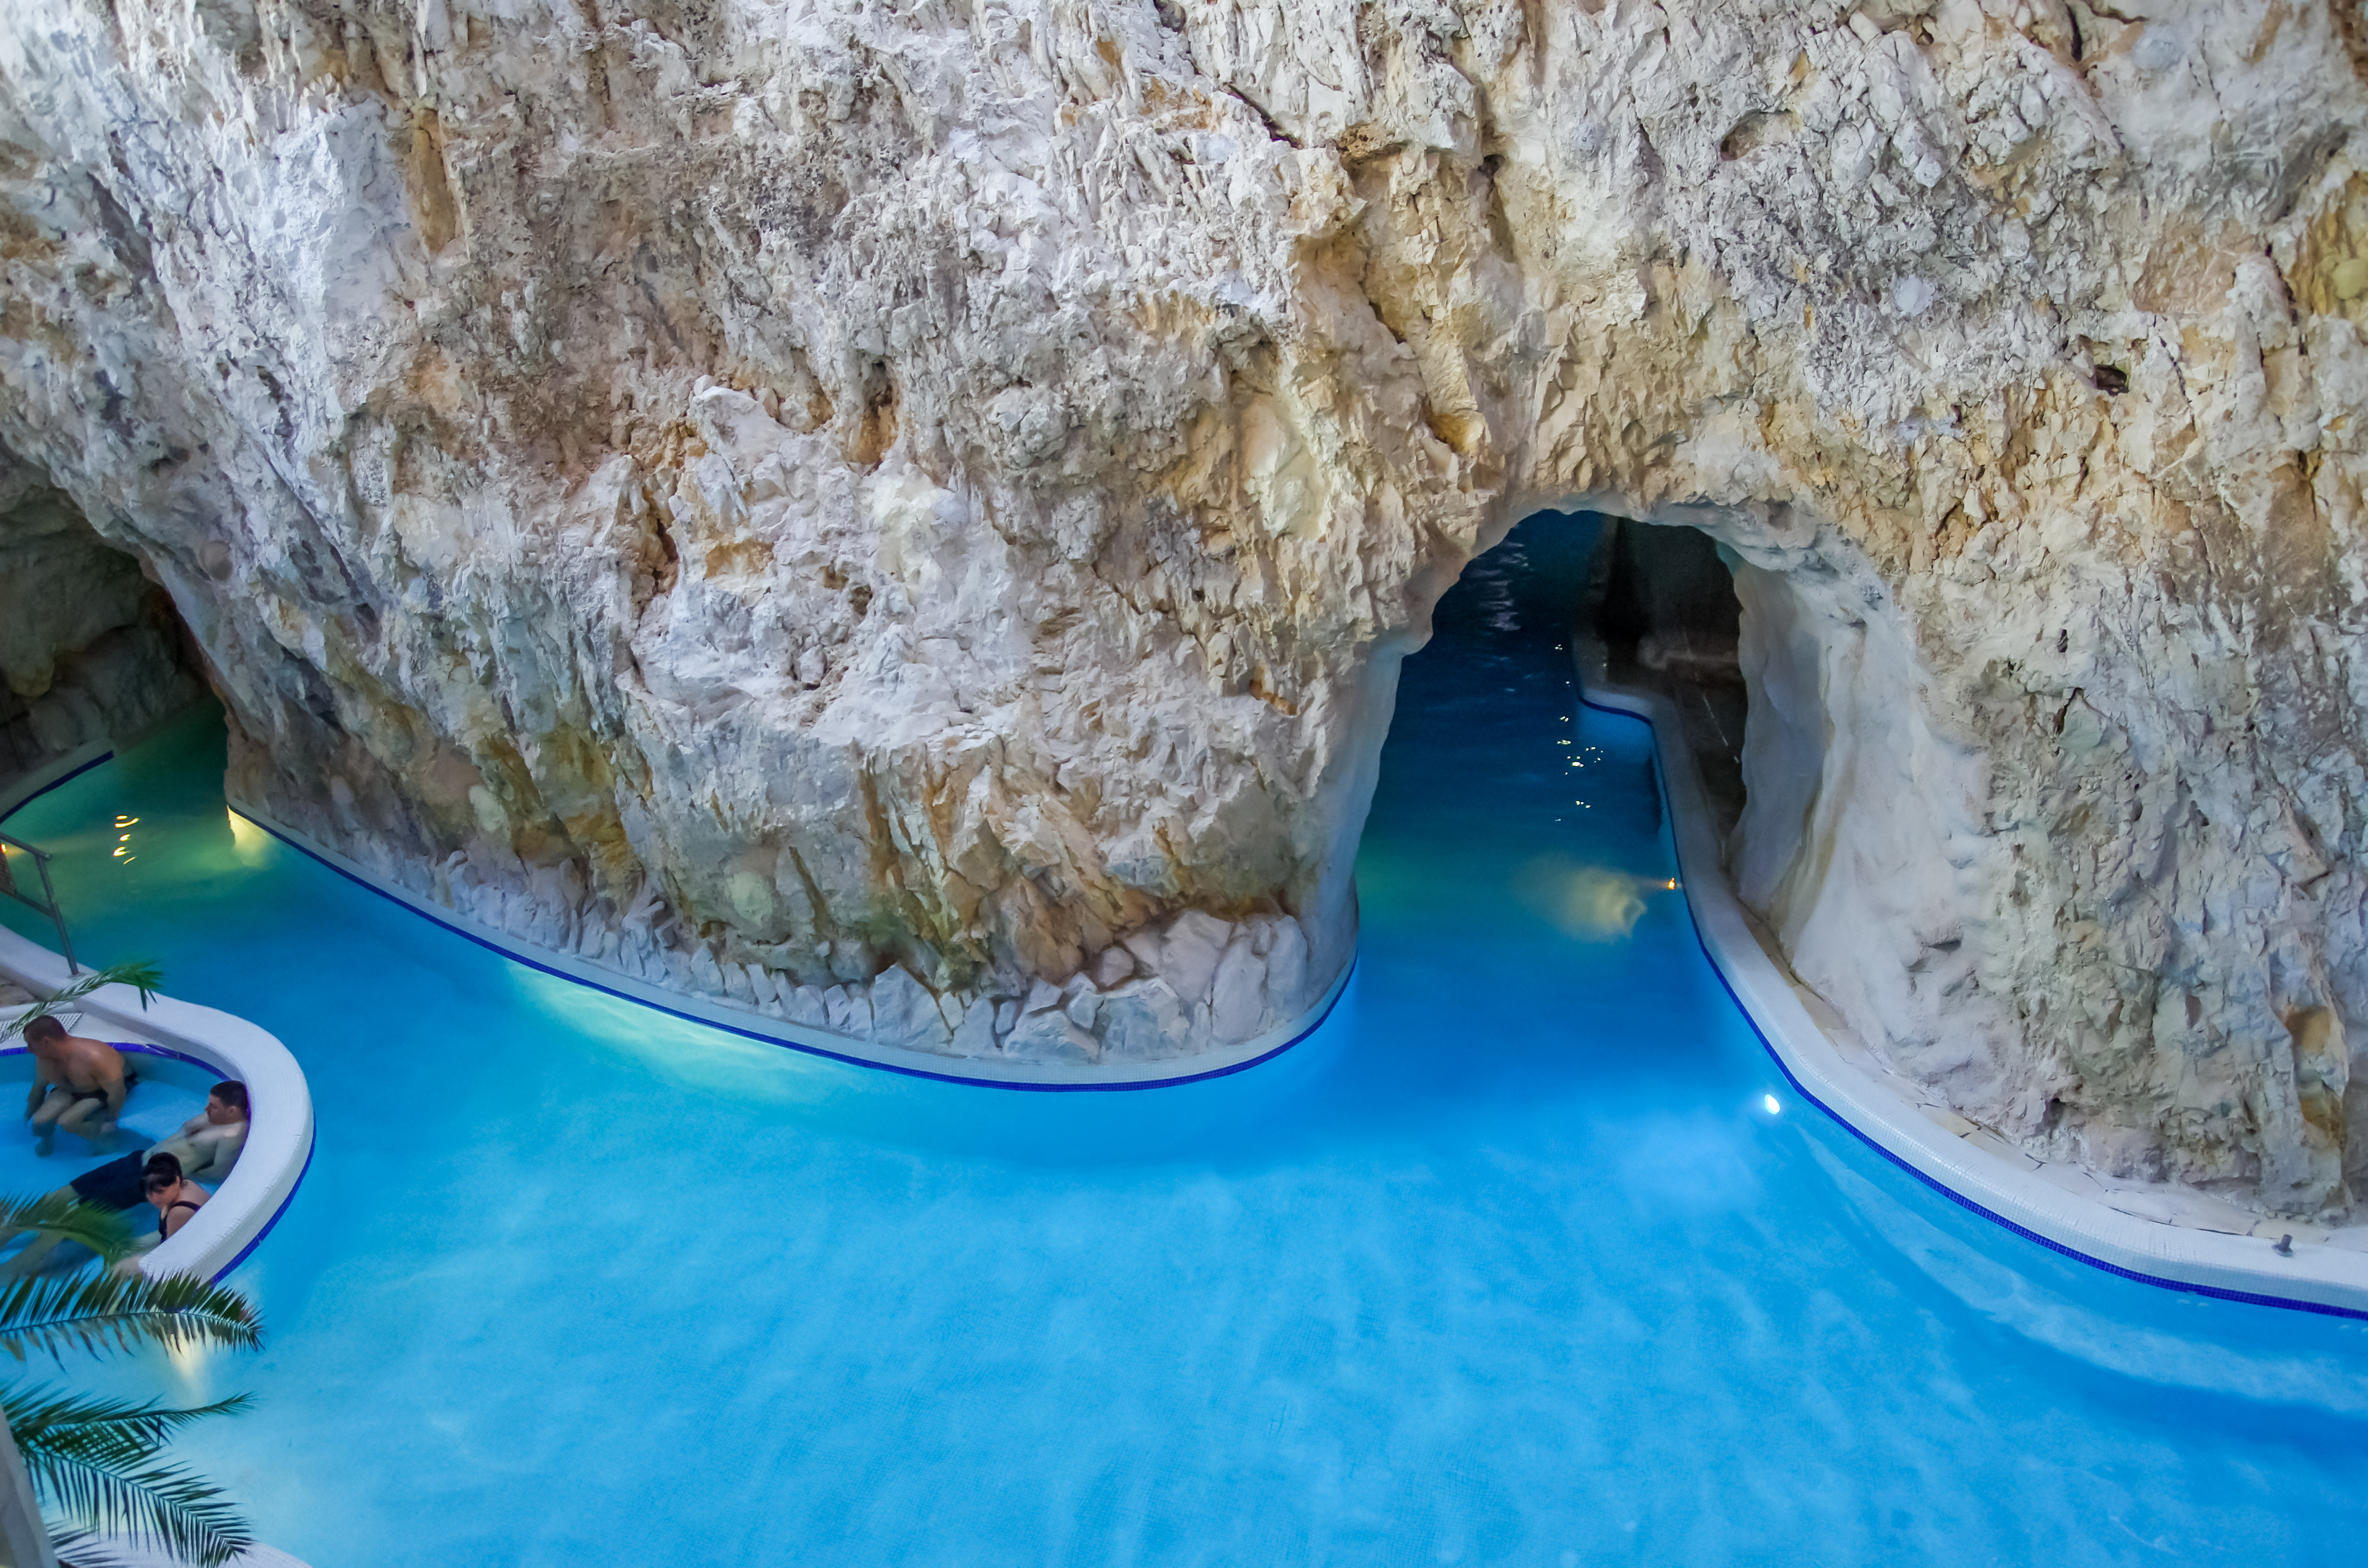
column 1659, row 611
column 893, row 506
column 89, row 651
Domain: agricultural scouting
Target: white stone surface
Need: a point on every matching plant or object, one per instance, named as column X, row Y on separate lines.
column 2162, row 1232
column 1036, row 1049
column 833, row 489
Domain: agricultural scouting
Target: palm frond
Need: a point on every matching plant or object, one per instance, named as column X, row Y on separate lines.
column 141, row 974
column 82, row 1426
column 97, row 1461
column 66, row 1219
column 115, row 1312
column 164, row 1505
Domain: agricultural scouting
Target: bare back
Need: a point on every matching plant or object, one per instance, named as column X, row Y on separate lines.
column 84, row 1066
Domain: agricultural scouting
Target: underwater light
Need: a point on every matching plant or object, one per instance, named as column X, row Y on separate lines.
column 1769, row 1102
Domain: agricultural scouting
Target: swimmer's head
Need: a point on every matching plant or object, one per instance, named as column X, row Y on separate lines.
column 43, row 1032
column 162, row 1174
column 226, row 1104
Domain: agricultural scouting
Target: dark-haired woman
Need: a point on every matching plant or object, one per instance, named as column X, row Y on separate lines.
column 177, row 1199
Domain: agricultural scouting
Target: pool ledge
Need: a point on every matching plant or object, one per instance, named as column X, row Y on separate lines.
column 2236, row 1267
column 279, row 1135
column 34, row 782
column 984, row 1072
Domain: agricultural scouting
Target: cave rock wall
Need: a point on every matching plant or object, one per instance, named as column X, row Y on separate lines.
column 906, row 516
column 90, row 651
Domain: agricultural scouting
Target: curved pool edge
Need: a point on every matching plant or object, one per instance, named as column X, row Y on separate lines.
column 279, row 1136
column 26, row 787
column 280, row 1127
column 2243, row 1268
column 977, row 1072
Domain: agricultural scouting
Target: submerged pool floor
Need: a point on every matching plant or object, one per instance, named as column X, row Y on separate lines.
column 1510, row 1264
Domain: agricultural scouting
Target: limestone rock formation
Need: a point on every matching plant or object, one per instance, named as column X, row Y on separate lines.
column 909, row 514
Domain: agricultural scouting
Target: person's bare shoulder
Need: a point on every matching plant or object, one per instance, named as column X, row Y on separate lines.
column 96, row 1052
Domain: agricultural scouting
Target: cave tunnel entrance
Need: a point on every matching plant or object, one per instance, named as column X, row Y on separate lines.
column 1489, row 761
column 1660, row 607
column 1516, row 850
column 1644, row 606
column 91, row 650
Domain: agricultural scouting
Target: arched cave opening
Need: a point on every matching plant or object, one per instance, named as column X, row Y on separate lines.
column 1660, row 611
column 1646, row 606
column 91, row 650
column 1563, row 604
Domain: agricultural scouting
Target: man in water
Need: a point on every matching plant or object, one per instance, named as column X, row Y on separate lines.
column 208, row 1143
column 204, row 1150
column 77, row 1085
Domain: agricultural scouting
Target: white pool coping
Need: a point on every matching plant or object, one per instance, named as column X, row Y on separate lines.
column 279, row 1118
column 985, row 1072
column 2238, row 1267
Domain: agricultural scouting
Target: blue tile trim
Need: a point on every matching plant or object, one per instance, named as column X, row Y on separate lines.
column 67, row 776
column 2217, row 1292
column 293, row 1187
column 516, row 956
column 257, row 1240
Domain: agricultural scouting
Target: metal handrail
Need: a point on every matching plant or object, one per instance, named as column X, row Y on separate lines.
column 47, row 904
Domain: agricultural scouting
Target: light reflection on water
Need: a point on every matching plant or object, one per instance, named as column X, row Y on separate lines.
column 1588, row 904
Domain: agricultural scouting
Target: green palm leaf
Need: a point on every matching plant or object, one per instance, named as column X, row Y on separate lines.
column 116, row 1311
column 141, row 974
column 46, row 1419
column 97, row 1461
column 65, row 1218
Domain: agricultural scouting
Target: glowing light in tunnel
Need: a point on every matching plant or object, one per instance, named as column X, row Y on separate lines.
column 248, row 841
column 1587, row 903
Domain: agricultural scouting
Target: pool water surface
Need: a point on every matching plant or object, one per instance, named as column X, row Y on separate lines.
column 1510, row 1263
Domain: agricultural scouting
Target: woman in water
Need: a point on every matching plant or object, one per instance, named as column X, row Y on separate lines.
column 177, row 1199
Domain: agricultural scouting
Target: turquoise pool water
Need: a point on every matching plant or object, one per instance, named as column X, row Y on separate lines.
column 1510, row 1264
